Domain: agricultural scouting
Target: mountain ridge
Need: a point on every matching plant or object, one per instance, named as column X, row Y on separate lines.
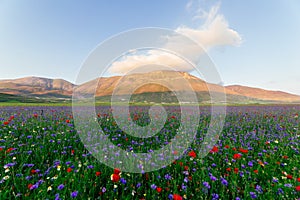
column 60, row 88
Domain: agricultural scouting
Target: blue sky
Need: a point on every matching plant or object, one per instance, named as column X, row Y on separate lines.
column 53, row 38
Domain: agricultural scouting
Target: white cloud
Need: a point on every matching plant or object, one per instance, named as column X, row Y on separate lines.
column 214, row 32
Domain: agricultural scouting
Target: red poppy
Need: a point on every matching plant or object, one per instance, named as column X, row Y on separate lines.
column 117, row 171
column 234, row 149
column 67, row 121
column 298, row 188
column 115, row 177
column 298, row 179
column 180, row 163
column 72, row 151
column 173, row 117
column 9, row 150
column 177, row 197
column 243, row 150
column 33, row 171
column 226, row 146
column 285, row 157
column 175, row 152
column 236, row 170
column 289, row 176
column 35, row 115
column 228, row 169
column 214, row 149
column 69, row 169
column 192, row 154
column 159, row 189
column 255, row 171
column 237, row 156
column 186, row 168
column 98, row 173
column 6, row 123
column 1, row 149
column 29, row 185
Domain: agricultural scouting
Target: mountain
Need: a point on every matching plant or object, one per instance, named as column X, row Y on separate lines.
column 264, row 94
column 58, row 88
column 36, row 86
column 131, row 82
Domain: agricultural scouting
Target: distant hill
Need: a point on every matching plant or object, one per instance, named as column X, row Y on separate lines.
column 36, row 86
column 39, row 89
column 264, row 94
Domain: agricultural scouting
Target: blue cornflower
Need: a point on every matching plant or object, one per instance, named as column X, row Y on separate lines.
column 280, row 191
column 250, row 164
column 61, row 186
column 123, row 181
column 253, row 195
column 224, row 181
column 258, row 189
column 153, row 186
column 206, row 184
column 215, row 196
column 138, row 185
column 168, row 177
column 74, row 194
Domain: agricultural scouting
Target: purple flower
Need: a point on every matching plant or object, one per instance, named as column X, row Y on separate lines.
column 153, row 186
column 224, row 181
column 215, row 196
column 288, row 185
column 253, row 195
column 61, row 186
column 57, row 197
column 168, row 177
column 74, row 194
column 241, row 174
column 206, row 184
column 9, row 165
column 213, row 165
column 90, row 166
column 123, row 181
column 138, row 185
column 280, row 191
column 250, row 164
column 237, row 198
column 170, row 196
column 212, row 177
column 186, row 180
column 68, row 162
column 103, row 189
column 34, row 186
column 258, row 189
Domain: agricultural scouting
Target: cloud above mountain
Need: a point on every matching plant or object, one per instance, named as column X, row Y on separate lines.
column 214, row 32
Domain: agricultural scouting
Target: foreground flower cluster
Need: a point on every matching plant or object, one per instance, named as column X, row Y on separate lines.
column 256, row 157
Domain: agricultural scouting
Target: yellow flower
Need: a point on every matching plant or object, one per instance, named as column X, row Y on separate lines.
column 49, row 188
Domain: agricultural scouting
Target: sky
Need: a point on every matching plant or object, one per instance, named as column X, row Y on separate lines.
column 252, row 43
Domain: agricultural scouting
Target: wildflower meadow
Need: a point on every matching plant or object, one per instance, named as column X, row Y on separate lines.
column 255, row 157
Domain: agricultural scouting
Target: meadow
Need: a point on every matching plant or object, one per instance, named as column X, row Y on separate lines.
column 256, row 156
